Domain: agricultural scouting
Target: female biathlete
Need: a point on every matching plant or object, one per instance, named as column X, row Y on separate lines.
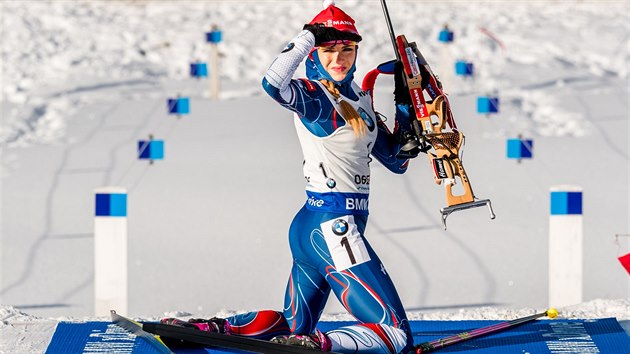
column 339, row 132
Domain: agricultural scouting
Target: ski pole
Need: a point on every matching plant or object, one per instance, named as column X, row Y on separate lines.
column 433, row 345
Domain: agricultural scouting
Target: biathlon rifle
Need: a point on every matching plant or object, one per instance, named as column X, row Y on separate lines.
column 434, row 128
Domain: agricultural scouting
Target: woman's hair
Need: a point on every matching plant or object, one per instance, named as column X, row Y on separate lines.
column 347, row 111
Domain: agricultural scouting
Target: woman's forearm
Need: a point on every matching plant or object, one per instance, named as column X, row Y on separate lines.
column 281, row 71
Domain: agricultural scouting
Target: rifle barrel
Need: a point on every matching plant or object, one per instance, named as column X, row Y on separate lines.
column 390, row 28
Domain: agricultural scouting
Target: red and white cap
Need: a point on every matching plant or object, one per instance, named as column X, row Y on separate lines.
column 334, row 17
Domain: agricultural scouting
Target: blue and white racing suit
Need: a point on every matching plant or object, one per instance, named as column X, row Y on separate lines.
column 330, row 251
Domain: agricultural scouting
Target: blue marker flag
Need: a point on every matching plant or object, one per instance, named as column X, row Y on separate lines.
column 446, row 36
column 178, row 105
column 463, row 68
column 151, row 149
column 214, row 36
column 487, row 105
column 198, row 70
column 520, row 148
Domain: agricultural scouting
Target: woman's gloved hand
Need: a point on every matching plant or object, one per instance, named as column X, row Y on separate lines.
column 323, row 34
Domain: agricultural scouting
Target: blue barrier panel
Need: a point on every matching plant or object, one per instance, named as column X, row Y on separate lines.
column 463, row 68
column 566, row 203
column 487, row 105
column 214, row 36
column 151, row 149
column 198, row 70
column 114, row 204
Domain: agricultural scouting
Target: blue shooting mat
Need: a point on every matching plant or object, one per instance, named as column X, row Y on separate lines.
column 603, row 336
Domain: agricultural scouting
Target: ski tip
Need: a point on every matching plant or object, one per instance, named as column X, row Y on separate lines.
column 552, row 313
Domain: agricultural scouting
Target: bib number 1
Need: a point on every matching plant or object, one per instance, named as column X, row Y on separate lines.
column 344, row 242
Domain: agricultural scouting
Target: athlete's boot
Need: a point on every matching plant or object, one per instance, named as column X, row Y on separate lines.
column 317, row 340
column 215, row 324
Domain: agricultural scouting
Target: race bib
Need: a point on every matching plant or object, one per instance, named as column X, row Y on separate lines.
column 344, row 242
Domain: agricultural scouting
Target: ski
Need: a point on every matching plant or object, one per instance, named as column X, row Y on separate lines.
column 157, row 334
column 187, row 336
column 135, row 328
column 434, row 345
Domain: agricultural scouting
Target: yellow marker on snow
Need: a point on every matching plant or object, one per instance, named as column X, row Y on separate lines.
column 552, row 313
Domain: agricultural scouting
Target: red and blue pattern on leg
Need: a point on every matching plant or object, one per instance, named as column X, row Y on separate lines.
column 306, row 295
column 368, row 339
column 380, row 332
column 263, row 325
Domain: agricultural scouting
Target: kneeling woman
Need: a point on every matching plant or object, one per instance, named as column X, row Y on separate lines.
column 339, row 132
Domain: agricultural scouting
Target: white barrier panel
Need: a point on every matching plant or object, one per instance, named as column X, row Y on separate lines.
column 565, row 246
column 110, row 251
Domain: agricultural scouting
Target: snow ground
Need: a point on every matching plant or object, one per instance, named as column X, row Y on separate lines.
column 78, row 93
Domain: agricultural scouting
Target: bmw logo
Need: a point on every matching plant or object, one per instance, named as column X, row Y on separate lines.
column 366, row 118
column 288, row 47
column 331, row 183
column 340, row 227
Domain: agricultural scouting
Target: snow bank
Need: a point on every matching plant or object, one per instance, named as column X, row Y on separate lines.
column 50, row 49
